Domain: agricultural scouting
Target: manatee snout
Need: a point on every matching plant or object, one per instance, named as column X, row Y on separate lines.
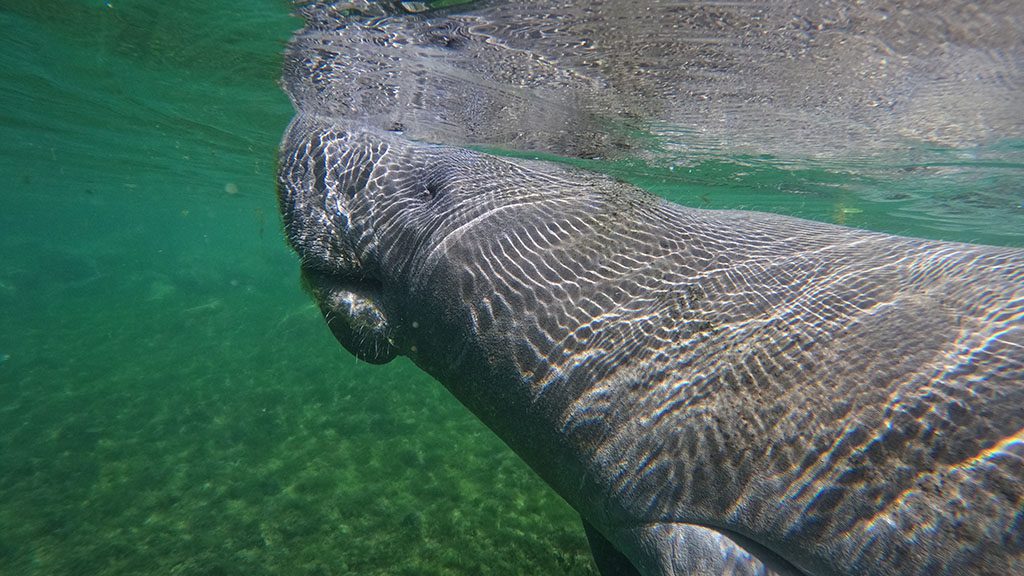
column 354, row 315
column 321, row 179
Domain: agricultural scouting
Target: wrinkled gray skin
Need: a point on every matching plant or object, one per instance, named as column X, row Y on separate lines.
column 714, row 392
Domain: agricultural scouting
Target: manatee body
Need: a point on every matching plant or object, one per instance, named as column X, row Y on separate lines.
column 715, row 392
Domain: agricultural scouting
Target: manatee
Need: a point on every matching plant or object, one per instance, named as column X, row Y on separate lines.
column 715, row 392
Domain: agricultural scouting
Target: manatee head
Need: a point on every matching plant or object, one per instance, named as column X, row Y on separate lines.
column 392, row 235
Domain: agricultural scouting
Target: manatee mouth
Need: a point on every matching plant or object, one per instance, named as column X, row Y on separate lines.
column 352, row 309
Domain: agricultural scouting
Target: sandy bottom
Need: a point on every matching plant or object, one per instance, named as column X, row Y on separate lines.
column 196, row 417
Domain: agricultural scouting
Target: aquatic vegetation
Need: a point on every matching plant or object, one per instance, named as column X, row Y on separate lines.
column 135, row 443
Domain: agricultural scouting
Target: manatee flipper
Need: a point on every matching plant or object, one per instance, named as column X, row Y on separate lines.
column 610, row 562
column 680, row 549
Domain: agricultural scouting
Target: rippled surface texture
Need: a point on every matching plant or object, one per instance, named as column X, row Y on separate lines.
column 925, row 95
column 847, row 400
column 170, row 401
column 715, row 392
column 796, row 79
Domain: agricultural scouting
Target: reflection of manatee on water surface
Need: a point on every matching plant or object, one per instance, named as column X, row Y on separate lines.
column 715, row 392
column 869, row 80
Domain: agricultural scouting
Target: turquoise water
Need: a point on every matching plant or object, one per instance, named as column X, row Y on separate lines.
column 171, row 401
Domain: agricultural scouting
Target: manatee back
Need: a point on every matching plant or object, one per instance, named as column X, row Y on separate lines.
column 853, row 400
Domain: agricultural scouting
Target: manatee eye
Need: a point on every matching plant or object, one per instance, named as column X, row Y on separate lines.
column 429, row 192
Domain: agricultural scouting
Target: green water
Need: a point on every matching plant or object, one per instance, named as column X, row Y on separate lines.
column 171, row 402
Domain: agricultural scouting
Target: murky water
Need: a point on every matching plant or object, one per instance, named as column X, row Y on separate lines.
column 170, row 400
